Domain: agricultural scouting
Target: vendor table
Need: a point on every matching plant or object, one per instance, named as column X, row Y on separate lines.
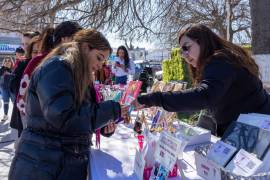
column 115, row 158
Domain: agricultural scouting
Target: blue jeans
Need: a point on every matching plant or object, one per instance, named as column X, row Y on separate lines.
column 6, row 96
column 121, row 80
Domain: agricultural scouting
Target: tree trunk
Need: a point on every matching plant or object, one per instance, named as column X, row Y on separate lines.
column 260, row 28
column 260, row 16
column 229, row 35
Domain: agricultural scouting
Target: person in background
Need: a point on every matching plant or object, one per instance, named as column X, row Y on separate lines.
column 14, row 84
column 62, row 112
column 49, row 38
column 20, row 52
column 19, row 56
column 123, row 67
column 26, row 38
column 5, row 69
column 104, row 75
column 226, row 81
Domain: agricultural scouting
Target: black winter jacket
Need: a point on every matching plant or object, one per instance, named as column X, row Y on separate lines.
column 225, row 90
column 4, row 77
column 51, row 108
column 14, row 85
column 56, row 142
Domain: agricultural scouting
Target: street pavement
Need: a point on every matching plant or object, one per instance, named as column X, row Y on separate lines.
column 7, row 139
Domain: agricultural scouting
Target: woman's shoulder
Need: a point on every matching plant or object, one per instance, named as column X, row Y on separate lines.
column 54, row 65
column 221, row 55
column 219, row 64
column 55, row 69
column 220, row 59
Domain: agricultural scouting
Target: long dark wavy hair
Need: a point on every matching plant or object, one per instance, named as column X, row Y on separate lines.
column 213, row 45
column 126, row 56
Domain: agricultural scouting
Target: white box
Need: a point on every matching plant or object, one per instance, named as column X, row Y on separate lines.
column 254, row 119
column 192, row 134
column 207, row 168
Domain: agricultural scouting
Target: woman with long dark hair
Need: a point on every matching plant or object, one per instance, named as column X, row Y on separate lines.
column 226, row 81
column 123, row 66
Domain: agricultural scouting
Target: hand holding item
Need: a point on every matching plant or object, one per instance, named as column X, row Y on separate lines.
column 117, row 64
column 137, row 106
column 125, row 112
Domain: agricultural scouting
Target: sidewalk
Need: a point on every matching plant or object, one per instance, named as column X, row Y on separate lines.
column 7, row 137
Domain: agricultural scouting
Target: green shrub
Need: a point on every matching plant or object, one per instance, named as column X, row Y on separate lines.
column 175, row 68
column 247, row 47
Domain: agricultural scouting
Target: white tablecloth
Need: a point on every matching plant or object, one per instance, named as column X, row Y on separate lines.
column 115, row 159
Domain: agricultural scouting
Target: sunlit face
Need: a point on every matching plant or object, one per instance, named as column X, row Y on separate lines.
column 8, row 63
column 190, row 51
column 121, row 53
column 96, row 58
column 25, row 42
column 34, row 50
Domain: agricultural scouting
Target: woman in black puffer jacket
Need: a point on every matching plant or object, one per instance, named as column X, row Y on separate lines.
column 62, row 114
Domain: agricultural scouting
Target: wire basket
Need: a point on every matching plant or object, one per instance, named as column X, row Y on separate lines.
column 227, row 175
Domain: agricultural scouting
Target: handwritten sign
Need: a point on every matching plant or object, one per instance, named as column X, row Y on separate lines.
column 167, row 150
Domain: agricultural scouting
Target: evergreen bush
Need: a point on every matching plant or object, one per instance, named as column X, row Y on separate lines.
column 175, row 68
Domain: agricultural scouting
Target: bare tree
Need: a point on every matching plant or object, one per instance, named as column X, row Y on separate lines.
column 131, row 19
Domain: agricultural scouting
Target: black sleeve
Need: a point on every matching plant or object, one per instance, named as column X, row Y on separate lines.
column 55, row 90
column 2, row 70
column 16, row 75
column 217, row 78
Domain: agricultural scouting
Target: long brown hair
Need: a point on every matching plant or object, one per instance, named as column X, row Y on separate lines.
column 8, row 59
column 34, row 40
column 213, row 45
column 72, row 54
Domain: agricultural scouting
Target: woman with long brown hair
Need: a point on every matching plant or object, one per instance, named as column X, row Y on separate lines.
column 62, row 112
column 226, row 81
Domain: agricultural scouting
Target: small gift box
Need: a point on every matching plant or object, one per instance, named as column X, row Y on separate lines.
column 148, row 171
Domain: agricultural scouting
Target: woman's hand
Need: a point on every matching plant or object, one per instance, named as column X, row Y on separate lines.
column 110, row 128
column 137, row 106
column 124, row 111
